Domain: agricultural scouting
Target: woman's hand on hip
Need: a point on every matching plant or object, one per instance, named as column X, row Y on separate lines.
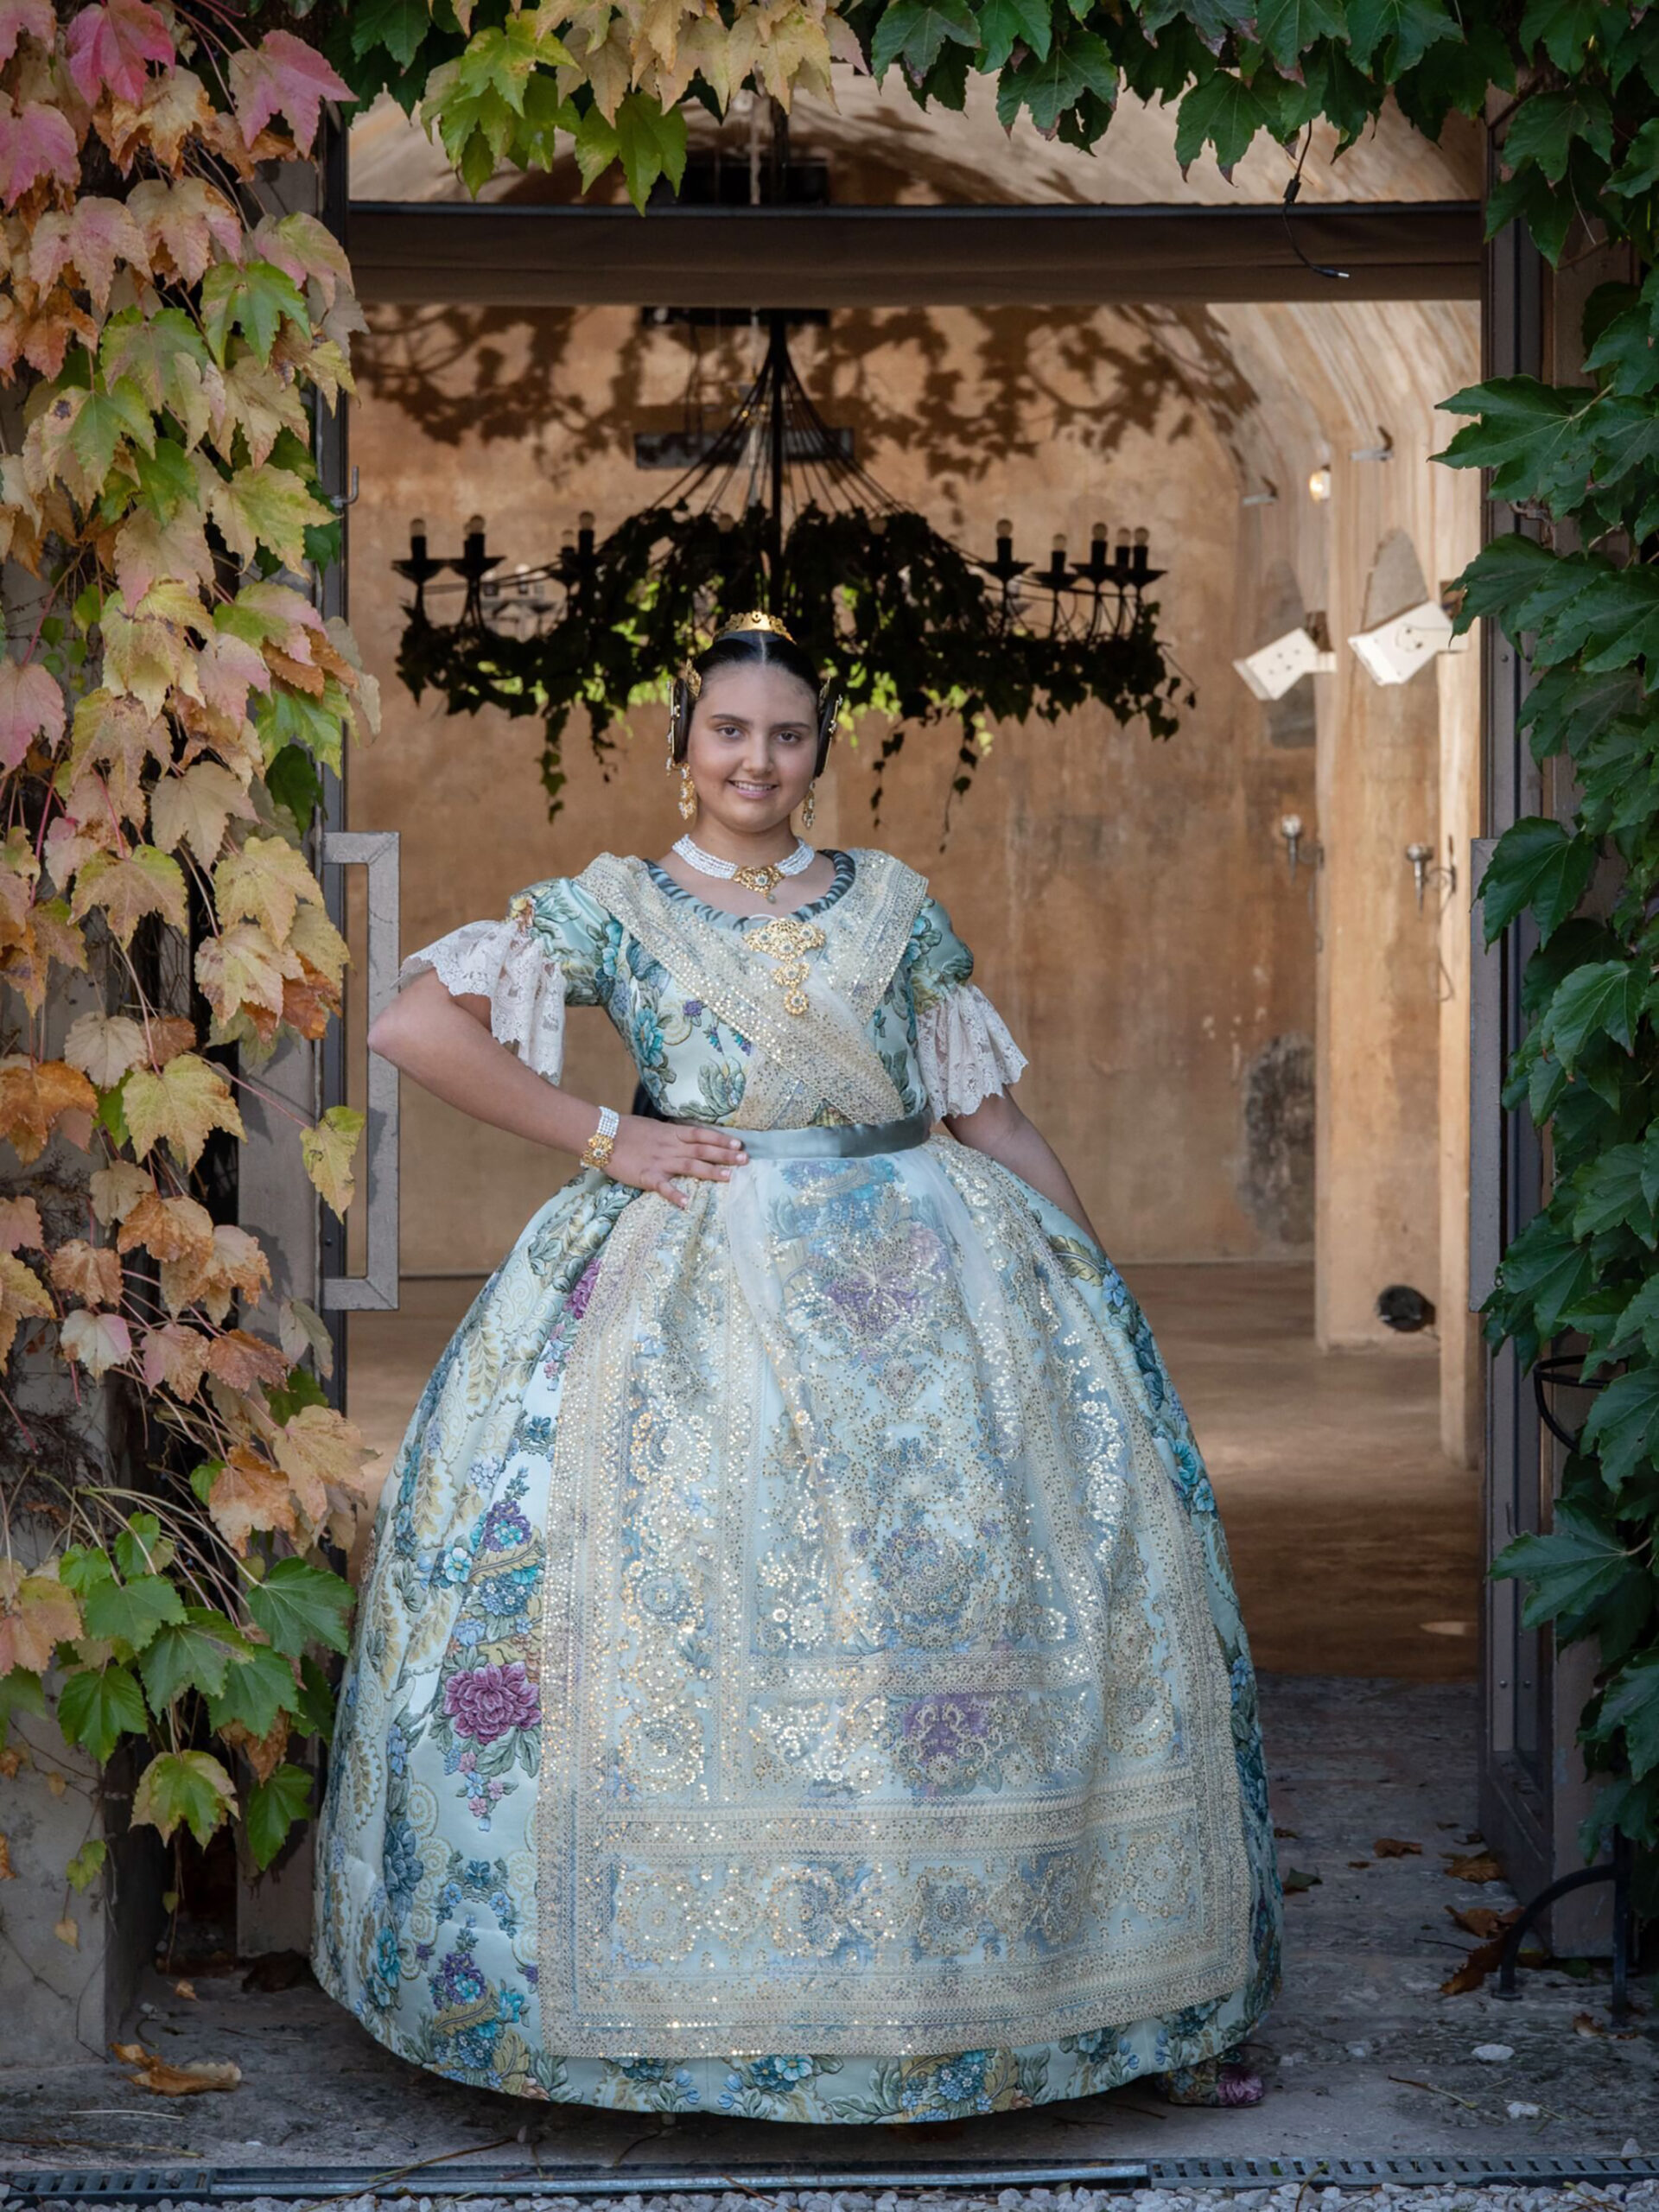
column 649, row 1154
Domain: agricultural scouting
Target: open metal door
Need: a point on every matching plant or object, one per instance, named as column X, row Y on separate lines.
column 304, row 1241
column 1534, row 1792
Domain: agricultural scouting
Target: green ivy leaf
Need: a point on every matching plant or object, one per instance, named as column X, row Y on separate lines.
column 141, row 1548
column 915, row 32
column 1547, row 210
column 1563, row 28
column 1222, row 111
column 1612, row 1194
column 1285, row 28
column 273, row 1807
column 1546, row 127
column 1632, row 1702
column 97, row 1708
column 253, row 297
column 400, row 26
column 192, row 1654
column 1547, row 1271
column 1536, row 863
column 81, row 1565
column 1406, row 28
column 1524, row 428
column 188, row 1786
column 87, row 1863
column 298, row 1603
column 1606, row 999
column 20, row 1692
column 1623, row 1424
column 259, row 1685
column 132, row 1613
column 1578, row 1562
column 1002, row 23
column 314, row 1713
column 1612, row 620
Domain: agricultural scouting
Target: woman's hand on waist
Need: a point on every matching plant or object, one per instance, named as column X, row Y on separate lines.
column 649, row 1154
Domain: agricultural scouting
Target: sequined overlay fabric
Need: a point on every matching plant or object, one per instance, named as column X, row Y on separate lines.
column 798, row 1671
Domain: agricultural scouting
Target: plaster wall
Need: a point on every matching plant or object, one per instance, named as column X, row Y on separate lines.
column 1127, row 900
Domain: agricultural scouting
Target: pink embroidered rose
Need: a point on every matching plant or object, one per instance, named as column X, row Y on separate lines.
column 486, row 1702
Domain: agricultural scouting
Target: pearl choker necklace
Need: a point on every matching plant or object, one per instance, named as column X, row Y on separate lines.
column 764, row 879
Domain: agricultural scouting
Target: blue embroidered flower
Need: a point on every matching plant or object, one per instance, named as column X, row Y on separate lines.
column 401, row 1866
column 385, row 1968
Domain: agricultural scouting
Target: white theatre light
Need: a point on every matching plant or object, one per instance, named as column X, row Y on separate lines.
column 1395, row 651
column 1272, row 669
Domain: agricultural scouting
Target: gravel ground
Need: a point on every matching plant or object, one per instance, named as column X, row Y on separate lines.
column 1291, row 2197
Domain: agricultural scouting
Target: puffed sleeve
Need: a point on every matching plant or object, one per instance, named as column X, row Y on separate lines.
column 963, row 1043
column 548, row 951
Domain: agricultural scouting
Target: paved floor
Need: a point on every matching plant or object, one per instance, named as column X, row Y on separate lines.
column 1362, row 2054
column 1357, row 1545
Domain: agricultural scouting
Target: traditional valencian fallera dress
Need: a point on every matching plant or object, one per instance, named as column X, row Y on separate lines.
column 798, row 1672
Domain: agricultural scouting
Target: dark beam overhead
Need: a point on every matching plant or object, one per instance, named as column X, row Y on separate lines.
column 424, row 252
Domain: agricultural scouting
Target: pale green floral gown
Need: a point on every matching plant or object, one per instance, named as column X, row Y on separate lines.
column 798, row 1672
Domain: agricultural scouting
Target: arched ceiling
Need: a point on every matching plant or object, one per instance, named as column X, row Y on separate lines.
column 883, row 149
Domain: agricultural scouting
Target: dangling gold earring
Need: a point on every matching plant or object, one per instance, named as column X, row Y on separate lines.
column 810, row 806
column 687, row 795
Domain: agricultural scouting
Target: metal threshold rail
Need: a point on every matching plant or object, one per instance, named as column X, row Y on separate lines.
column 439, row 252
column 601, row 2186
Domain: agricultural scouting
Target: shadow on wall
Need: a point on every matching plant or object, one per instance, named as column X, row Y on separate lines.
column 904, row 377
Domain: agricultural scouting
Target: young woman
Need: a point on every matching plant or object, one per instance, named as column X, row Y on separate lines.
column 796, row 1672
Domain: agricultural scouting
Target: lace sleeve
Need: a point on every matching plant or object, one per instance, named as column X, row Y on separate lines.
column 966, row 1053
column 507, row 964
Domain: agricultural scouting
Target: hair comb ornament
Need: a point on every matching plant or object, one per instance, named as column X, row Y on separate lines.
column 685, row 688
column 758, row 620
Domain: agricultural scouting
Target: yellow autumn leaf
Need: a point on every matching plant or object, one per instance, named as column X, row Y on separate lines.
column 36, row 1615
column 104, row 1046
column 241, row 969
column 129, row 886
column 117, row 1189
column 35, row 1094
column 317, row 1445
column 142, row 657
column 317, row 940
column 250, row 1495
column 67, row 1931
column 89, row 1271
column 181, row 1103
column 194, row 808
column 266, row 880
column 327, row 1151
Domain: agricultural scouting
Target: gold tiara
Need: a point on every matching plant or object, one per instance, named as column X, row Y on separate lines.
column 758, row 620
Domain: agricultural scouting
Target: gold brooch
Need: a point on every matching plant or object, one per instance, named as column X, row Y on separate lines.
column 786, row 943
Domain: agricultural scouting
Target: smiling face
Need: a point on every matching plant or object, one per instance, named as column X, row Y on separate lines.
column 753, row 746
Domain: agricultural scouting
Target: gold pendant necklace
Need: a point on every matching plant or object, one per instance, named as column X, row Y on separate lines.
column 786, row 941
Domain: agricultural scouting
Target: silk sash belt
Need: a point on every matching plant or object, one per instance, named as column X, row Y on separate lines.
column 838, row 1140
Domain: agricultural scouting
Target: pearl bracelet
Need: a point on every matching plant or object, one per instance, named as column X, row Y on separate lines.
column 596, row 1153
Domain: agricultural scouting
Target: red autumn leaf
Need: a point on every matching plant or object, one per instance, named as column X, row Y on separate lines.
column 36, row 142
column 109, row 45
column 31, row 705
column 18, row 17
column 282, row 76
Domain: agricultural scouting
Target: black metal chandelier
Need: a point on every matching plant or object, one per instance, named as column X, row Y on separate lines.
column 777, row 513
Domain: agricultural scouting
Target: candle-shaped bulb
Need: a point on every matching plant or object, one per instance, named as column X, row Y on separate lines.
column 1059, row 545
column 1143, row 537
column 1097, row 535
column 585, row 519
column 417, row 528
column 1005, row 528
column 475, row 526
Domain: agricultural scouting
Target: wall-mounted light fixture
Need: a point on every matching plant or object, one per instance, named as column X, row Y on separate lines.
column 1395, row 651
column 1319, row 484
column 1267, row 497
column 1305, row 651
column 1298, row 845
column 1384, row 450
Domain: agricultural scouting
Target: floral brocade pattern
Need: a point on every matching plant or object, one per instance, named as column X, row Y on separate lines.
column 856, row 1492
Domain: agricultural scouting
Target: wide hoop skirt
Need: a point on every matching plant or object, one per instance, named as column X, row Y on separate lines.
column 797, row 1671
